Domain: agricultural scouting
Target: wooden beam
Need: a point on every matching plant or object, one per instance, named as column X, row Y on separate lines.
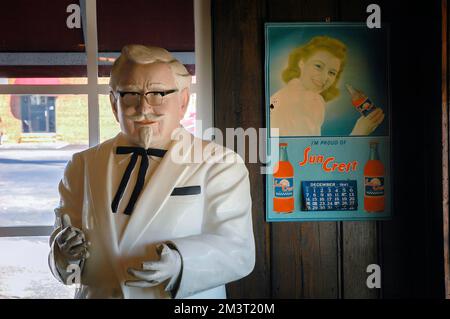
column 445, row 135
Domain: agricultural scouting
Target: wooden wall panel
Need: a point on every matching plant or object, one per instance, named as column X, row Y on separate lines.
column 360, row 249
column 304, row 260
column 433, row 270
column 411, row 243
column 238, row 99
column 445, row 144
column 312, row 246
column 328, row 259
column 301, row 11
column 360, row 239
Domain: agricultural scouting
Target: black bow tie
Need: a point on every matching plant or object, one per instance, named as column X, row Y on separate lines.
column 141, row 175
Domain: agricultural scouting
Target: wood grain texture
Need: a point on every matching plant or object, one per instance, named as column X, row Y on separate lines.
column 305, row 260
column 238, row 98
column 412, row 242
column 301, row 11
column 445, row 141
column 328, row 259
column 360, row 249
column 359, row 246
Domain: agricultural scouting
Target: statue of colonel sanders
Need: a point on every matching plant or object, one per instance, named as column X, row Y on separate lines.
column 141, row 215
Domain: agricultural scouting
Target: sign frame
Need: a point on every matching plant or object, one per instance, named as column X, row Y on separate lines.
column 280, row 40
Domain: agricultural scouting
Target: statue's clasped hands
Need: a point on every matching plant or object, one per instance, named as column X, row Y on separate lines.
column 72, row 244
column 154, row 273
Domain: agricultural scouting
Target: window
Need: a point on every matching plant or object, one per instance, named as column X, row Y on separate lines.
column 54, row 102
column 24, row 271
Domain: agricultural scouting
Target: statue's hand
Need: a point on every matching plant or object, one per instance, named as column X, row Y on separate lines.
column 154, row 273
column 70, row 242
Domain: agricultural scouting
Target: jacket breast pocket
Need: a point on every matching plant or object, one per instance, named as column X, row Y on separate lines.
column 185, row 204
column 186, row 190
column 186, row 194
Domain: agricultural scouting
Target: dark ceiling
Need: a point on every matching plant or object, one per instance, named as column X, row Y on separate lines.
column 40, row 25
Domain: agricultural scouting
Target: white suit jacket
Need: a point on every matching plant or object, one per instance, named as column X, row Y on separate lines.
column 212, row 229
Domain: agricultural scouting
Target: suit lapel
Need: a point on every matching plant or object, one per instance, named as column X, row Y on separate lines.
column 158, row 189
column 100, row 173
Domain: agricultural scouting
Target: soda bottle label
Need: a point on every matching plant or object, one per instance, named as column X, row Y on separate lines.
column 374, row 186
column 366, row 107
column 284, row 187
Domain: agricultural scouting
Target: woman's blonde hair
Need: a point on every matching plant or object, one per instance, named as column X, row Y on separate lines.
column 333, row 46
column 142, row 54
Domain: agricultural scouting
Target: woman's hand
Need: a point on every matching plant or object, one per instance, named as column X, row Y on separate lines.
column 367, row 124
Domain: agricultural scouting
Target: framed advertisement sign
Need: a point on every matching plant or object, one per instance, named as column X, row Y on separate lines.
column 328, row 110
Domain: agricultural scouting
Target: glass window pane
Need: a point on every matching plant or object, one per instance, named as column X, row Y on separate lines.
column 103, row 80
column 24, row 271
column 189, row 118
column 62, row 119
column 40, row 134
column 108, row 124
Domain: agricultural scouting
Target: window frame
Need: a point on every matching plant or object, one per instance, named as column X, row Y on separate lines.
column 203, row 53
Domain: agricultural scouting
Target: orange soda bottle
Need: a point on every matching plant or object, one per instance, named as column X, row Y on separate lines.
column 374, row 181
column 283, row 183
column 360, row 101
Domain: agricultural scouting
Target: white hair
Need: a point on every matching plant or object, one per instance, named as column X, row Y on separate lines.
column 142, row 54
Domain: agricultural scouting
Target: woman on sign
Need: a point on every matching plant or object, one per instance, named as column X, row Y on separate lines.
column 312, row 77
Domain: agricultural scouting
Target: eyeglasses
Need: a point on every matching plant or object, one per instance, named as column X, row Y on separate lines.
column 154, row 98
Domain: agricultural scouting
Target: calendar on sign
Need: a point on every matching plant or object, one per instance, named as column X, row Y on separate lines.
column 332, row 195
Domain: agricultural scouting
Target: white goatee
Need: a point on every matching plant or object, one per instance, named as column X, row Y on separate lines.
column 145, row 136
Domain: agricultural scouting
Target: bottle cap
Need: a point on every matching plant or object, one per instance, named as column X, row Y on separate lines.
column 283, row 144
